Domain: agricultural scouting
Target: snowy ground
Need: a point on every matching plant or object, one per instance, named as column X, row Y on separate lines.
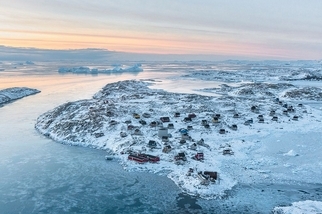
column 307, row 207
column 271, row 152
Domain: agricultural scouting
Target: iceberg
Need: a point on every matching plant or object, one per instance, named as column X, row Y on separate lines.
column 86, row 70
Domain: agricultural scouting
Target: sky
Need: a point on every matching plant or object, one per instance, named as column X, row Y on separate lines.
column 254, row 29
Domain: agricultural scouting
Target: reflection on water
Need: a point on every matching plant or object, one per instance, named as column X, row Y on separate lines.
column 39, row 176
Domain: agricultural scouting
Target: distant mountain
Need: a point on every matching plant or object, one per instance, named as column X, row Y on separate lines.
column 92, row 54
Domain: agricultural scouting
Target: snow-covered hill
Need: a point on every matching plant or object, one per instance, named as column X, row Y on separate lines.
column 10, row 94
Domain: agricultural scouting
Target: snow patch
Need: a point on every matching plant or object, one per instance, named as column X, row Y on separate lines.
column 291, row 153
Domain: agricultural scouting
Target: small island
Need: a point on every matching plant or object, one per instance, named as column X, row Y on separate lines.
column 205, row 144
column 11, row 94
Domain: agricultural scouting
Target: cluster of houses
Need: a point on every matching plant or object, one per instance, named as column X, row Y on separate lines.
column 164, row 125
column 286, row 110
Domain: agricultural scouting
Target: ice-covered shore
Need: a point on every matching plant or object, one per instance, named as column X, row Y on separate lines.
column 131, row 107
column 10, row 94
column 307, row 207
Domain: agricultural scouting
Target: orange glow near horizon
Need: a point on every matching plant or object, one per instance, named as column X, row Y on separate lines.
column 132, row 44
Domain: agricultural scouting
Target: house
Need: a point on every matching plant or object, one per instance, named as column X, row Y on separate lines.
column 236, row 115
column 295, row 117
column 275, row 118
column 136, row 116
column 165, row 139
column 222, row 131
column 272, row 112
column 261, row 120
column 151, row 158
column 167, row 149
column 213, row 176
column 253, row 108
column 142, row 122
column 203, row 178
column 189, row 127
column 199, row 156
column 182, row 141
column 137, row 158
column 146, row 115
column 201, row 142
column 185, row 137
column 180, row 156
column 170, row 126
column 183, row 131
column 130, row 127
column 248, row 122
column 123, row 134
column 187, row 119
column 177, row 114
column 193, row 146
column 290, row 109
column 165, row 119
column 100, row 134
column 260, row 116
column 137, row 132
column 217, row 115
column 215, row 120
column 192, row 115
column 152, row 144
column 153, row 124
column 285, row 112
column 234, row 127
column 204, row 122
column 207, row 126
column 113, row 122
column 300, row 105
column 128, row 122
column 227, row 152
column 189, row 172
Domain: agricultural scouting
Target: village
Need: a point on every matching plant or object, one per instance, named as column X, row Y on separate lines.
column 180, row 140
column 204, row 144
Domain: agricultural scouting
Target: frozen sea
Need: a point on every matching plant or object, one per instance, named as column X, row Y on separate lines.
column 38, row 175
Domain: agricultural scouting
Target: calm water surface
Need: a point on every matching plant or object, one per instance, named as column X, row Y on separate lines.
column 38, row 175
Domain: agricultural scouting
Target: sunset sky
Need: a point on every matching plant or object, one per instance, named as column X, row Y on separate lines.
column 259, row 29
